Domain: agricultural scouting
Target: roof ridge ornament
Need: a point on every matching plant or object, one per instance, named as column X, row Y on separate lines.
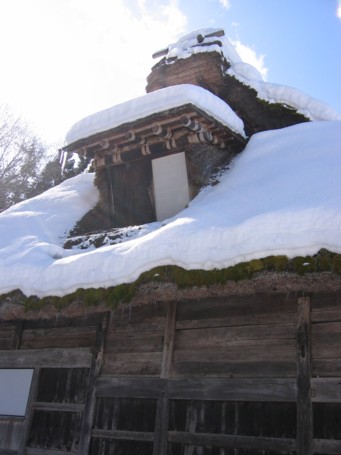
column 200, row 39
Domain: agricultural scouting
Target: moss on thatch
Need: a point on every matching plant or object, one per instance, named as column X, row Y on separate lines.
column 324, row 261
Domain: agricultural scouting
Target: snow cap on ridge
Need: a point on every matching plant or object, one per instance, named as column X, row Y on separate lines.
column 213, row 40
column 203, row 40
column 152, row 103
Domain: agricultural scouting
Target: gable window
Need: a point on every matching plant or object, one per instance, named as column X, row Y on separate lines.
column 14, row 390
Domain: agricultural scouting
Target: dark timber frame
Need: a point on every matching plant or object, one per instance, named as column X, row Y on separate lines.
column 250, row 374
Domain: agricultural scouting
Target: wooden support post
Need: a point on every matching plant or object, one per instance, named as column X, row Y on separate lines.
column 304, row 402
column 162, row 415
column 169, row 340
column 96, row 364
column 17, row 334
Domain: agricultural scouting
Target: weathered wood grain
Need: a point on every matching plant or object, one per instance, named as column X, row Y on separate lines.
column 238, row 319
column 213, row 338
column 7, row 335
column 126, row 435
column 58, row 407
column 285, row 368
column 144, row 317
column 327, row 446
column 283, row 390
column 95, row 371
column 133, row 364
column 238, row 306
column 132, row 341
column 328, row 368
column 169, row 341
column 326, row 390
column 52, row 358
column 326, row 340
column 62, row 337
column 234, row 442
column 272, row 349
column 36, row 451
column 304, row 403
column 326, row 315
column 134, row 387
column 11, row 429
column 324, row 301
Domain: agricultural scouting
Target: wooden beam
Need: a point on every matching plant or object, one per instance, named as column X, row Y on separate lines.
column 133, row 387
column 47, row 358
column 161, row 427
column 162, row 131
column 95, row 369
column 17, row 334
column 169, row 340
column 304, row 401
column 36, row 451
column 327, row 446
column 326, row 390
column 231, row 389
column 125, row 435
column 58, row 407
column 232, row 441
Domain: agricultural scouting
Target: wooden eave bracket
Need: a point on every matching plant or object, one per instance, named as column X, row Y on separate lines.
column 162, row 128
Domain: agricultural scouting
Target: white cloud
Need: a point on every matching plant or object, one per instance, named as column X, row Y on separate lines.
column 225, row 4
column 338, row 12
column 249, row 55
column 65, row 59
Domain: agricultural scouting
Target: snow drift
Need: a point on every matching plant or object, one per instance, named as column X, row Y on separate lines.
column 282, row 196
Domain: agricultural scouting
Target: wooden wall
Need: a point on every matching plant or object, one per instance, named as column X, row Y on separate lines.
column 258, row 374
column 62, row 354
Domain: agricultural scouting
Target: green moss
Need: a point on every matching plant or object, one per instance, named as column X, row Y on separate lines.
column 303, row 265
column 276, row 263
column 336, row 264
column 324, row 261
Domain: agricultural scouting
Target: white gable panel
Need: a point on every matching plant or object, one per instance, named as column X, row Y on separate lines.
column 170, row 185
column 14, row 390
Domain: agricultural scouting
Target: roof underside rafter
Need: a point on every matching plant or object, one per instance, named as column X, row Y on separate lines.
column 157, row 134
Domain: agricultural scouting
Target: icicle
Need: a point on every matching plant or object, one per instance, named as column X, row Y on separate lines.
column 63, row 158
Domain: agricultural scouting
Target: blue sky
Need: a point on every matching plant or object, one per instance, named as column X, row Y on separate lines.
column 300, row 39
column 65, row 59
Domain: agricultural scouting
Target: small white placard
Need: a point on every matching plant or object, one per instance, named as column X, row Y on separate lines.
column 14, row 390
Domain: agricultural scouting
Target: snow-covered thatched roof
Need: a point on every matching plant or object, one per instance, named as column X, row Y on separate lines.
column 282, row 196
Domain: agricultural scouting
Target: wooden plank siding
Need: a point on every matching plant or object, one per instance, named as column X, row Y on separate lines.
column 135, row 340
column 240, row 343
column 60, row 352
column 243, row 374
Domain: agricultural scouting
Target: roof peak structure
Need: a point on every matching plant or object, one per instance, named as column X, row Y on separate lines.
column 202, row 101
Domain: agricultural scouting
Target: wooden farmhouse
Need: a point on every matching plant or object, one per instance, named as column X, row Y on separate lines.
column 250, row 365
column 153, row 154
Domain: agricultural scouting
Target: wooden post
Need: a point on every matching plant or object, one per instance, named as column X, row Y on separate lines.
column 17, row 334
column 304, row 403
column 95, row 369
column 169, row 340
column 162, row 414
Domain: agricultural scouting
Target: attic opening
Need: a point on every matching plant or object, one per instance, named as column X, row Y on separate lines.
column 150, row 169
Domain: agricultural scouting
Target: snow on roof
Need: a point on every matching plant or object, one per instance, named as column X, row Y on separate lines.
column 275, row 93
column 282, row 196
column 188, row 45
column 151, row 103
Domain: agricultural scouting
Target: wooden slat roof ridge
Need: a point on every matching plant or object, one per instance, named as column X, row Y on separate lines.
column 165, row 100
